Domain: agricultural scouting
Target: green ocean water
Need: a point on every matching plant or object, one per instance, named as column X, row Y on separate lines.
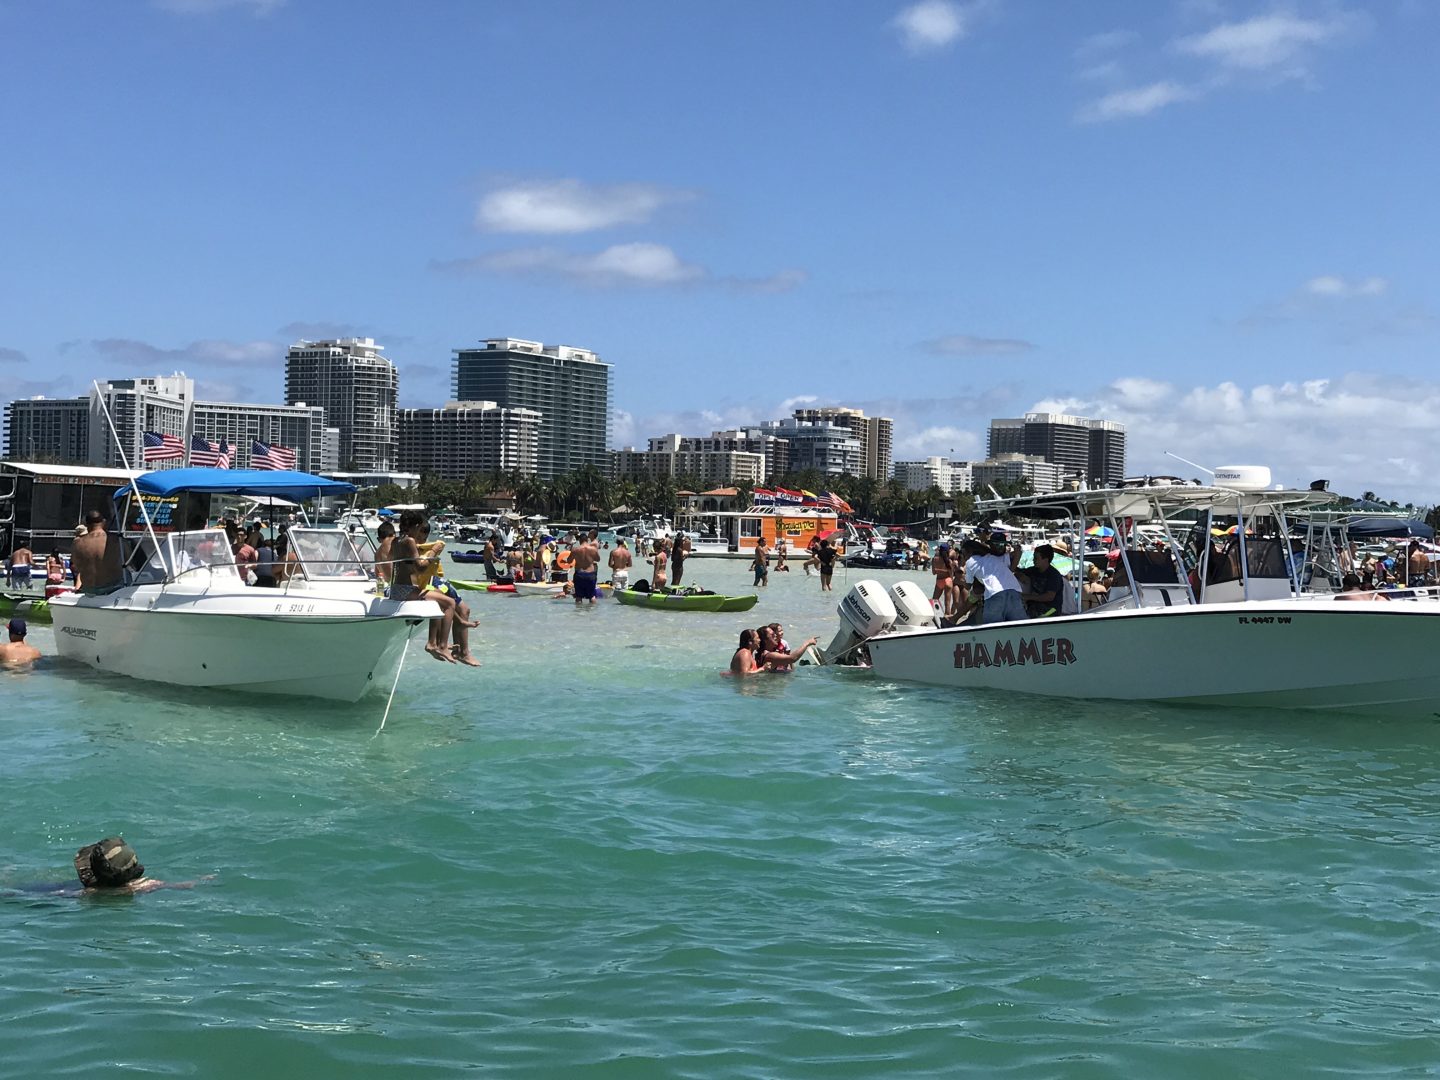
column 597, row 857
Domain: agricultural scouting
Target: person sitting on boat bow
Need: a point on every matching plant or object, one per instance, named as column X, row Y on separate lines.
column 412, row 580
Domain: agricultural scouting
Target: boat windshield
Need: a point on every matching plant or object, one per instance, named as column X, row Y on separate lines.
column 186, row 555
column 327, row 554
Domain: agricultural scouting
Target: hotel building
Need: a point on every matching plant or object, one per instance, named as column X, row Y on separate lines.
column 465, row 437
column 569, row 387
column 673, row 455
column 1092, row 451
column 876, row 435
column 951, row 477
column 357, row 388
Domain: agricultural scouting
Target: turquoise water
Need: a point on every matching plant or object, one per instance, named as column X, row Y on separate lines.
column 597, row 857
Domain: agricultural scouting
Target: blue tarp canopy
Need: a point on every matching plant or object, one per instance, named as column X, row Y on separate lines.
column 1366, row 527
column 254, row 483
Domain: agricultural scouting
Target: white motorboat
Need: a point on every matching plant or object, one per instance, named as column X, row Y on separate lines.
column 184, row 616
column 1219, row 618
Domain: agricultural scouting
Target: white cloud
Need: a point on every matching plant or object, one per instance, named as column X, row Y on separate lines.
column 790, row 404
column 968, row 345
column 205, row 7
column 944, row 440
column 1329, row 285
column 203, row 353
column 555, row 207
column 1303, row 430
column 1267, row 43
column 1098, row 45
column 635, row 265
column 931, row 24
column 1137, row 101
column 638, row 264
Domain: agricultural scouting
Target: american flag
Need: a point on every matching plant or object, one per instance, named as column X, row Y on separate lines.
column 835, row 502
column 206, row 454
column 270, row 456
column 162, row 447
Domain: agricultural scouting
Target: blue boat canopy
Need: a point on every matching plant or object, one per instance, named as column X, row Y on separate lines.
column 255, row 483
column 1371, row 527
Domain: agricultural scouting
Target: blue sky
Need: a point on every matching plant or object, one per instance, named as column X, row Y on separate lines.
column 1215, row 222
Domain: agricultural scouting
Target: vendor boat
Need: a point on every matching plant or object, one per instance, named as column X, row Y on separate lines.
column 1214, row 614
column 184, row 616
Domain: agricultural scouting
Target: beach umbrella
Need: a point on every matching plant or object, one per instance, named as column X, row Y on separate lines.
column 1100, row 530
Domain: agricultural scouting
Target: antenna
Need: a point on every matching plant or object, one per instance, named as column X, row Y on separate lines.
column 120, row 449
column 1192, row 464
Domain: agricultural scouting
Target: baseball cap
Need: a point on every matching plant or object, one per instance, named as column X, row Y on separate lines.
column 110, row 862
column 17, row 627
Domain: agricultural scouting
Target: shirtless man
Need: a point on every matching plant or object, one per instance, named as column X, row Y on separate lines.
column 384, row 552
column 18, row 651
column 21, row 564
column 489, row 555
column 411, row 582
column 95, row 557
column 587, row 560
column 1418, row 565
column 620, row 562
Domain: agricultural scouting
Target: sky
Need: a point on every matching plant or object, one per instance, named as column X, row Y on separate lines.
column 1214, row 222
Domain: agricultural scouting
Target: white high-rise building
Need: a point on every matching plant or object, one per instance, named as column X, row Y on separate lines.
column 467, row 437
column 358, row 389
column 951, row 477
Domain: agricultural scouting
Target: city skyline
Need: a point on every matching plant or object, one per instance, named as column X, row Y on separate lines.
column 1205, row 221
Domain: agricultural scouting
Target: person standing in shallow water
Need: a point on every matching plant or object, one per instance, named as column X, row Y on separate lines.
column 680, row 548
column 761, row 565
column 18, row 650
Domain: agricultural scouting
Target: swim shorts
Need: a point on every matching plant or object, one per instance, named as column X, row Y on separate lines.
column 621, row 578
column 585, row 585
column 404, row 592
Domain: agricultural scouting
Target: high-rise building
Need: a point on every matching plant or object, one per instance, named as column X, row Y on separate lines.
column 466, row 437
column 826, row 448
column 160, row 404
column 774, row 451
column 876, row 435
column 298, row 427
column 1044, row 476
column 569, row 387
column 76, row 429
column 1092, row 451
column 673, row 455
column 951, row 477
column 43, row 429
column 358, row 389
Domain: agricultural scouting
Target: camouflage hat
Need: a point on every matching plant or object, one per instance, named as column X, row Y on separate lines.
column 111, row 862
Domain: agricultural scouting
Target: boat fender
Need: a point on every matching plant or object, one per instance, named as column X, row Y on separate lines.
column 500, row 588
column 564, row 560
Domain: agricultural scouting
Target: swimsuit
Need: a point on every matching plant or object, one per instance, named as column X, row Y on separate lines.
column 404, row 592
column 585, row 585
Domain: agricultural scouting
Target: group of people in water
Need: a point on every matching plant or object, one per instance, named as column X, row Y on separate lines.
column 765, row 649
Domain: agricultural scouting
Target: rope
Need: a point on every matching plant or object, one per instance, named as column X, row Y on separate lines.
column 404, row 652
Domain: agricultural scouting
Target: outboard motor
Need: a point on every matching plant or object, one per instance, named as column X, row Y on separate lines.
column 865, row 611
column 913, row 609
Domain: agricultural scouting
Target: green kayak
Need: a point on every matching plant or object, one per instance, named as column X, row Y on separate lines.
column 30, row 608
column 686, row 601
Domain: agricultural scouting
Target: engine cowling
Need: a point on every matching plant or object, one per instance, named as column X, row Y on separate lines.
column 913, row 609
column 866, row 610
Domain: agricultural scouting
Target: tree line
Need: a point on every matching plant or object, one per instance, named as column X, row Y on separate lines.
column 588, row 494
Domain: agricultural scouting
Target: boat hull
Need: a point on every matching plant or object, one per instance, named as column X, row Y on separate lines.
column 324, row 654
column 1306, row 654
